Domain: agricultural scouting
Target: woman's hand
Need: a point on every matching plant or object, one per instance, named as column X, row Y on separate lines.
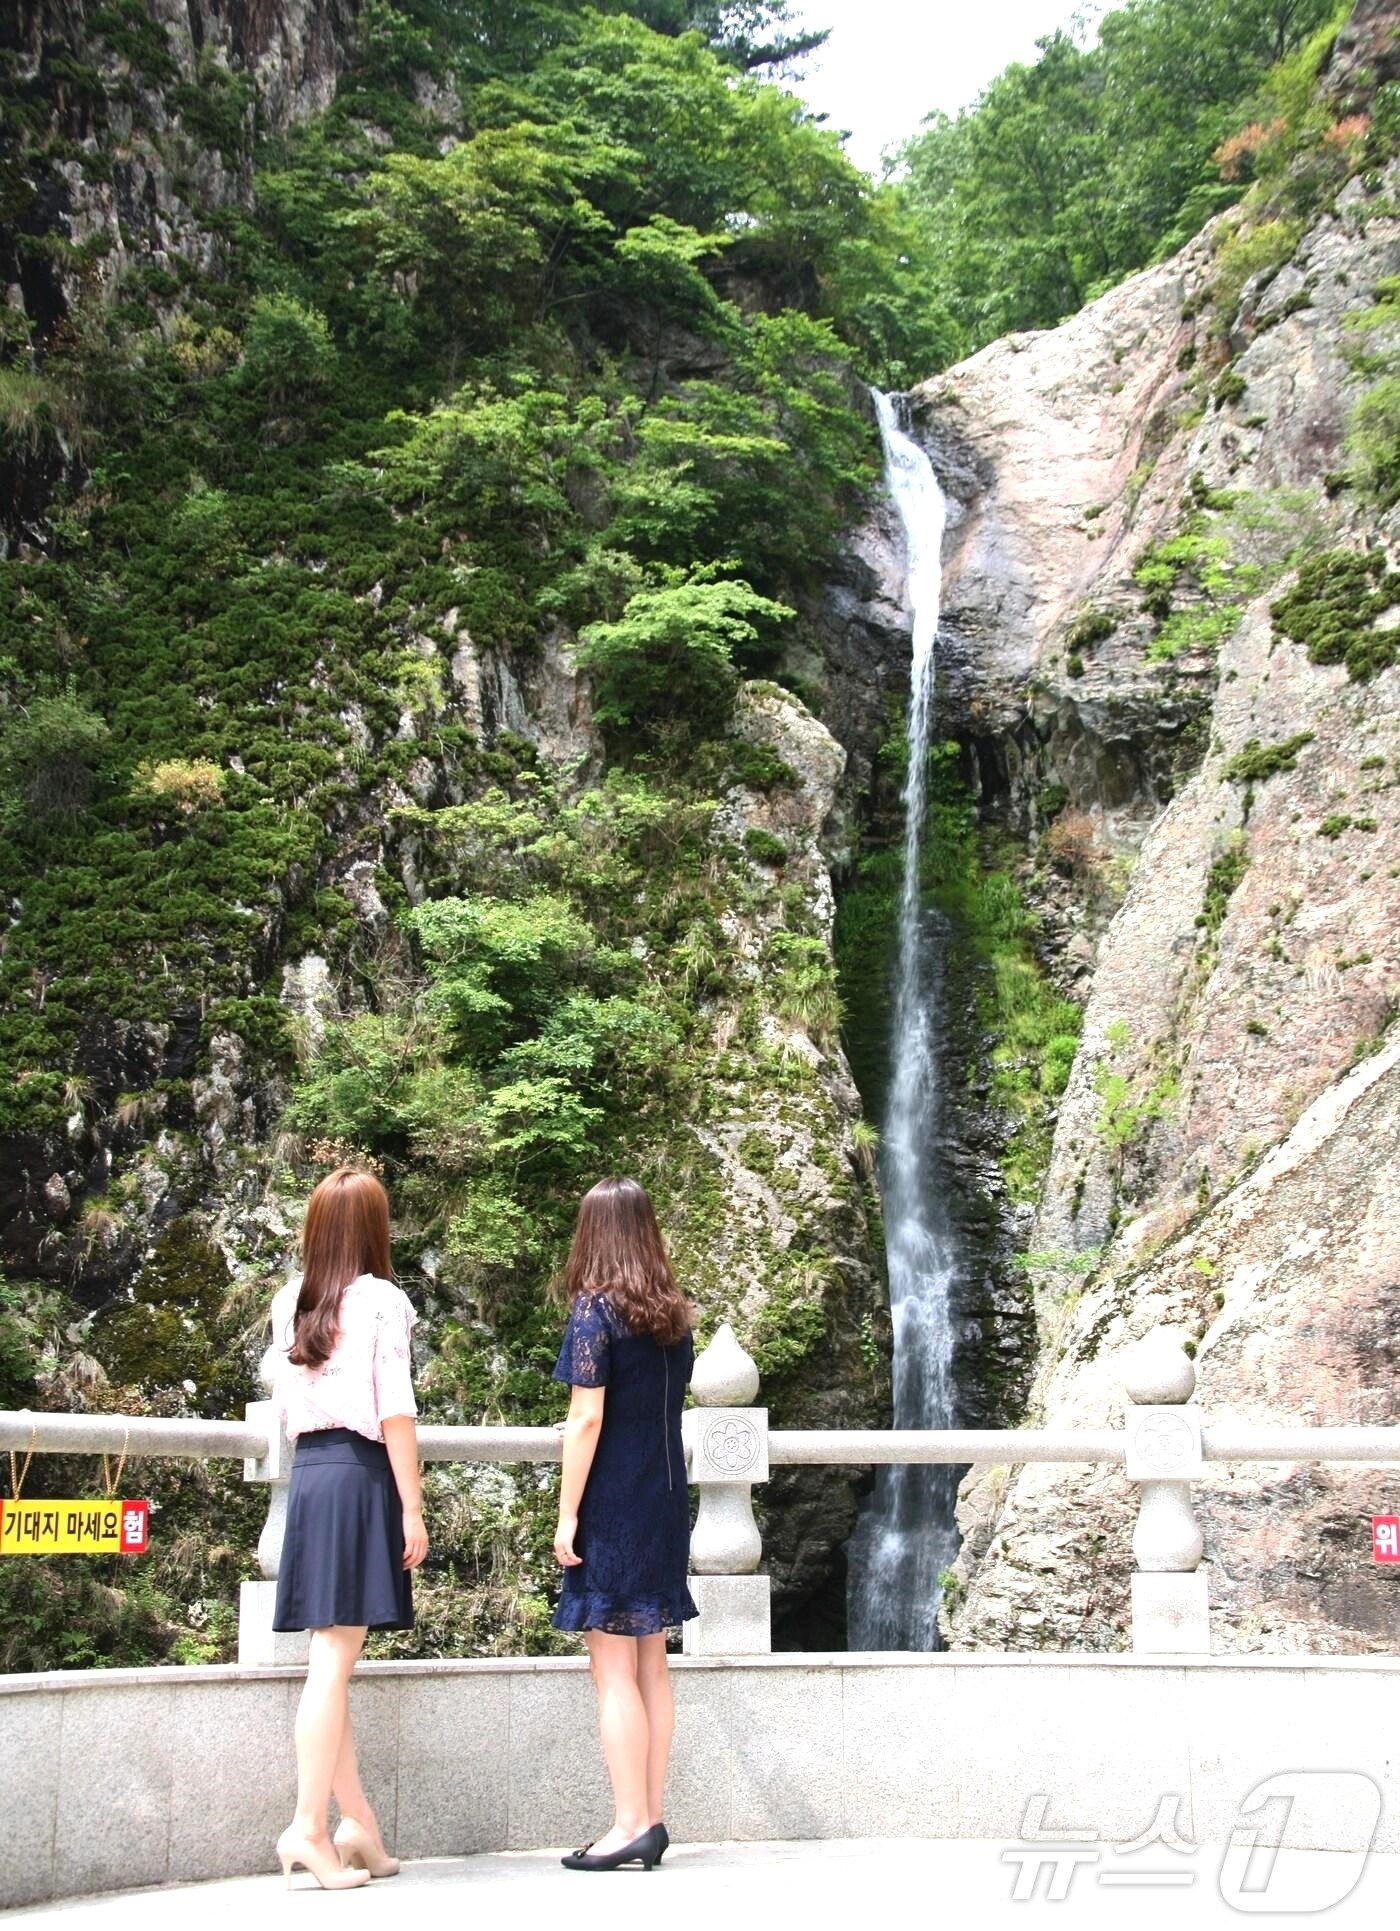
column 565, row 1530
column 415, row 1538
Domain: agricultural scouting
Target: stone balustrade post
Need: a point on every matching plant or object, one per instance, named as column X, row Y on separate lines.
column 727, row 1452
column 1171, row 1611
column 259, row 1644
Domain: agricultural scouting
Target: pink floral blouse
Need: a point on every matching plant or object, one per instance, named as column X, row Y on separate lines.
column 370, row 1370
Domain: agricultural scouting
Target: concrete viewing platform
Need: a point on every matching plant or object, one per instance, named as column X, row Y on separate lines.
column 112, row 1779
column 836, row 1883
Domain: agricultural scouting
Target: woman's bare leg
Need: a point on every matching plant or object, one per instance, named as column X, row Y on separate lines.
column 347, row 1789
column 323, row 1718
column 654, row 1687
column 622, row 1725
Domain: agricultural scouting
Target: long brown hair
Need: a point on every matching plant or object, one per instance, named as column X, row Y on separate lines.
column 618, row 1251
column 345, row 1234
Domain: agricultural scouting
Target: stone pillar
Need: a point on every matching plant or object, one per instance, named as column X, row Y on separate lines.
column 727, row 1450
column 1171, row 1613
column 259, row 1645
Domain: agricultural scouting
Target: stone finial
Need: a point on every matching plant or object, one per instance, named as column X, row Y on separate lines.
column 724, row 1376
column 1158, row 1370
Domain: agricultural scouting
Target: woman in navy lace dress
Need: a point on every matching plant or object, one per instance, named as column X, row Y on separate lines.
column 623, row 1536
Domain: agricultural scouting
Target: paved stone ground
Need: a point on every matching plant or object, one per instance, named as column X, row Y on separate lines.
column 929, row 1884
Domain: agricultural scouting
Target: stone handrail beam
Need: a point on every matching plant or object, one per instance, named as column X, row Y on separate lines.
column 140, row 1435
column 489, row 1444
column 1162, row 1448
column 1379, row 1446
column 795, row 1447
column 50, row 1434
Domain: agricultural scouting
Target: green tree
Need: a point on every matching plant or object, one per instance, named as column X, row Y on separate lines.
column 287, row 350
column 1070, row 172
column 51, row 747
column 672, row 653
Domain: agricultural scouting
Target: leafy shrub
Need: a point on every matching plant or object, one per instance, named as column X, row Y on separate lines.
column 287, row 349
column 757, row 766
column 1373, row 441
column 50, row 750
column 1072, row 846
column 185, row 785
column 32, row 406
column 1052, row 799
column 1245, row 252
column 1127, row 1107
column 1090, row 627
column 673, row 652
column 765, row 847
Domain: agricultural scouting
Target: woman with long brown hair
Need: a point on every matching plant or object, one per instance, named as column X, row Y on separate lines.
column 343, row 1382
column 623, row 1535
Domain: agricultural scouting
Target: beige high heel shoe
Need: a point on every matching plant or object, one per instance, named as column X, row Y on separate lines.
column 324, row 1866
column 357, row 1847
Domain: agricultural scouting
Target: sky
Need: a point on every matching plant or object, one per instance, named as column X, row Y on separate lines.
column 889, row 62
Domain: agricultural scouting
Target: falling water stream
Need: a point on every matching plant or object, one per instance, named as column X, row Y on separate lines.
column 906, row 1535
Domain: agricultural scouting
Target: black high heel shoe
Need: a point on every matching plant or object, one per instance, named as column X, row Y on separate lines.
column 644, row 1850
column 663, row 1841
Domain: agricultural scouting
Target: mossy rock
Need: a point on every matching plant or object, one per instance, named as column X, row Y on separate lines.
column 1257, row 761
column 1333, row 607
column 168, row 1332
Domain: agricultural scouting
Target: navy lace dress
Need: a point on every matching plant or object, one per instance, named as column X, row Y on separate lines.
column 634, row 1519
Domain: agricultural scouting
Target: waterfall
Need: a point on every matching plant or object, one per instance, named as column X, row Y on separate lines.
column 906, row 1535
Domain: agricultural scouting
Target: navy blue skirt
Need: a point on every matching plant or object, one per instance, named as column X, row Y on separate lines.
column 342, row 1554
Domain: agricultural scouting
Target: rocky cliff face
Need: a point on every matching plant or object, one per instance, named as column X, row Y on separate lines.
column 132, row 134
column 1145, row 484
column 138, row 144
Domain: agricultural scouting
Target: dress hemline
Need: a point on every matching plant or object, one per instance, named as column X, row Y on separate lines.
column 616, row 1616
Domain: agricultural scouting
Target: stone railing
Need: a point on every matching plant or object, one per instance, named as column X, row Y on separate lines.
column 1163, row 1447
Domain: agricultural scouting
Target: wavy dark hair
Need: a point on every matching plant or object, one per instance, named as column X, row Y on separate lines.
column 617, row 1250
column 345, row 1234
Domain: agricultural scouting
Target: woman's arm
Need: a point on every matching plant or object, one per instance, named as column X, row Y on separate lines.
column 584, row 1419
column 401, row 1440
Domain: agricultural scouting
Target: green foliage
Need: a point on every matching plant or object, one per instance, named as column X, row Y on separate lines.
column 1128, row 1105
column 1224, row 875
column 1373, row 430
column 451, row 362
column 756, row 766
column 528, row 1042
column 676, row 648
column 50, row 750
column 287, row 349
column 765, row 847
column 1090, row 627
column 1373, row 441
column 1068, row 173
column 1332, row 610
column 1197, row 564
column 1336, row 822
column 1246, row 250
column 170, row 1330
column 1257, row 761
column 29, row 1314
